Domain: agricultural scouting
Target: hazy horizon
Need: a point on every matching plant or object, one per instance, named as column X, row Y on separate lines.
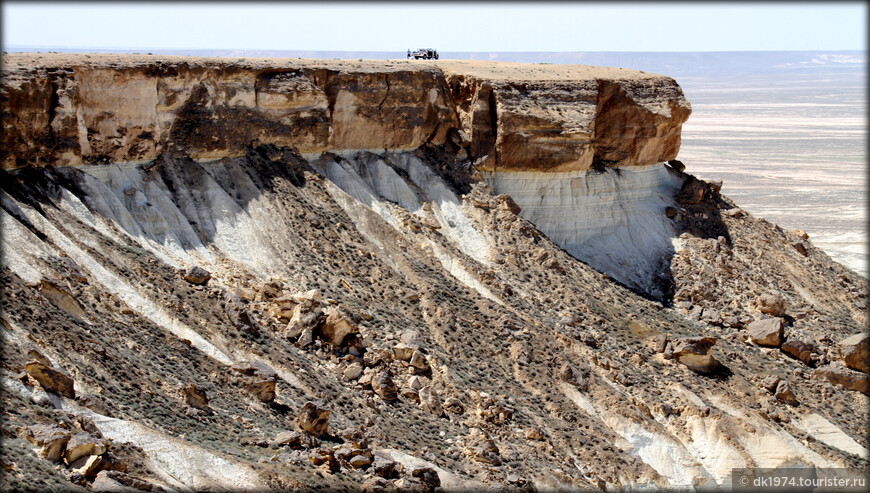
column 503, row 27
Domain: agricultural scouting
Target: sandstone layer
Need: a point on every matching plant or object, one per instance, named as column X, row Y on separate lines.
column 63, row 109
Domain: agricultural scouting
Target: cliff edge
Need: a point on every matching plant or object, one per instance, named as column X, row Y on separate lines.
column 82, row 109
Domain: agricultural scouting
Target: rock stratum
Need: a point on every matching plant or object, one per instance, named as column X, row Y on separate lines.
column 255, row 274
column 98, row 109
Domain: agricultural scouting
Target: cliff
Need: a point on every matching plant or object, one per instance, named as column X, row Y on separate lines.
column 309, row 275
column 80, row 109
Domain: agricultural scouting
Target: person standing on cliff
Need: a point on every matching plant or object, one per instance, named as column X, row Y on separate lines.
column 409, row 52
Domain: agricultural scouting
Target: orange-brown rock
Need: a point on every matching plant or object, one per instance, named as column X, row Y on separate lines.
column 51, row 438
column 838, row 374
column 51, row 380
column 72, row 109
column 694, row 353
column 313, row 419
column 856, row 352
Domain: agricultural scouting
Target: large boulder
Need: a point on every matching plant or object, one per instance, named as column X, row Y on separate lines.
column 783, row 393
column 84, row 444
column 51, row 380
column 116, row 481
column 306, row 313
column 806, row 352
column 260, row 379
column 352, row 372
column 195, row 396
column 771, row 304
column 387, row 468
column 238, row 315
column 313, row 419
column 419, row 361
column 295, row 440
column 197, row 275
column 337, row 327
column 427, row 476
column 384, row 386
column 430, row 401
column 856, row 352
column 324, row 456
column 838, row 374
column 51, row 439
column 484, row 451
column 767, row 332
column 694, row 353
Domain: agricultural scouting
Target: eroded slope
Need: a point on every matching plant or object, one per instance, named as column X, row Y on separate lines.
column 425, row 289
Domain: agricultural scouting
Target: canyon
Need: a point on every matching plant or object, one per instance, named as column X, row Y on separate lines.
column 478, row 274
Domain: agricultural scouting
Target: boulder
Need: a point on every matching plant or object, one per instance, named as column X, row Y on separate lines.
column 52, row 439
column 783, row 393
column 88, row 466
column 323, row 456
column 84, row 444
column 374, row 484
column 415, row 383
column 427, row 476
column 659, row 343
column 770, row 383
column 359, row 461
column 800, row 246
column 855, row 351
column 295, row 440
column 693, row 191
column 804, row 351
column 282, row 307
column 353, row 371
column 239, row 316
column 838, row 374
column 313, row 419
column 366, row 379
column 409, row 485
column 484, row 451
column 51, row 380
column 429, row 400
column 403, row 352
column 306, row 315
column 356, row 437
column 387, row 469
column 384, row 386
column 694, row 353
column 305, row 338
column 260, row 380
column 195, row 396
column 767, row 332
column 116, row 481
column 771, row 304
column 454, row 405
column 677, row 165
column 711, row 316
column 197, row 275
column 419, row 362
column 336, row 327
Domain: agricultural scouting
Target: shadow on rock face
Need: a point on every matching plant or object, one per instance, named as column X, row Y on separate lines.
column 698, row 213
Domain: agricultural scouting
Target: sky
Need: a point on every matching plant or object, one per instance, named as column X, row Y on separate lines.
column 446, row 26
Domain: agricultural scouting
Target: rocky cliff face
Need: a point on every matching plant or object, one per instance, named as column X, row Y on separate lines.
column 71, row 110
column 258, row 274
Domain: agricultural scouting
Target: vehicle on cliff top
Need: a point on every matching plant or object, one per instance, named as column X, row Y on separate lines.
column 425, row 53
